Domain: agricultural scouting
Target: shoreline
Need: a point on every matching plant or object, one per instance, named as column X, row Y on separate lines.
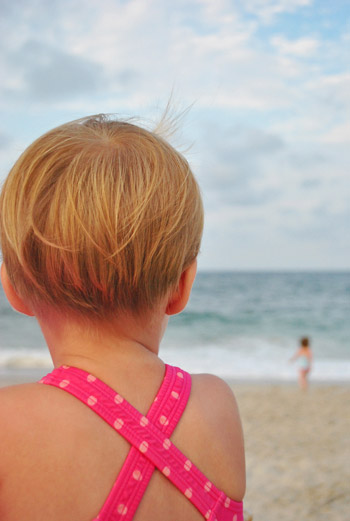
column 13, row 376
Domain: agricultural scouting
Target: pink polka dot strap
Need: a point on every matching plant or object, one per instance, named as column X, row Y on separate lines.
column 151, row 446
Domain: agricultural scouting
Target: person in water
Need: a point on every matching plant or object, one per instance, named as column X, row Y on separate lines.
column 100, row 226
column 304, row 358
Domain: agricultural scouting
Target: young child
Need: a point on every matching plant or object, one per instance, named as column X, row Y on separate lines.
column 100, row 224
column 304, row 357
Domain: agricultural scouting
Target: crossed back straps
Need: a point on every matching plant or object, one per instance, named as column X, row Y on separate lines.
column 151, row 446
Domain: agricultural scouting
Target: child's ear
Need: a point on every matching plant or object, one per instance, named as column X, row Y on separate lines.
column 12, row 296
column 179, row 298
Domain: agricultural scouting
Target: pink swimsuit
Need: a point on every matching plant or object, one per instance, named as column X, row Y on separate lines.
column 151, row 446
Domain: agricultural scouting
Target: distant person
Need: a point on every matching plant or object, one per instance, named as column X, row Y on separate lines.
column 100, row 225
column 304, row 358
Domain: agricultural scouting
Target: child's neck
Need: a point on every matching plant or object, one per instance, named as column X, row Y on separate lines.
column 98, row 346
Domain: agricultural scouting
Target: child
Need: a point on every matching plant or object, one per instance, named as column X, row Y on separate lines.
column 100, row 225
column 304, row 357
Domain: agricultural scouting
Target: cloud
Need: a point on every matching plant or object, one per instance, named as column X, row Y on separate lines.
column 50, row 74
column 234, row 165
column 271, row 90
column 262, row 191
column 267, row 10
column 339, row 134
column 128, row 50
column 302, row 47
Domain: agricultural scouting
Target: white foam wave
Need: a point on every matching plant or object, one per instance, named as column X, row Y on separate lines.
column 256, row 365
column 259, row 362
column 25, row 359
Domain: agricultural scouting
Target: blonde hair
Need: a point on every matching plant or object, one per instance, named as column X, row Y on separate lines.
column 99, row 216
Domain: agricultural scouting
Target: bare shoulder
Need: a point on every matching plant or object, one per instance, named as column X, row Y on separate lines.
column 216, row 392
column 216, row 412
column 216, row 400
column 12, row 397
column 22, row 409
column 29, row 416
column 19, row 395
column 16, row 406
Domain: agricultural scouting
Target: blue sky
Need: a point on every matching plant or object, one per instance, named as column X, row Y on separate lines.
column 269, row 129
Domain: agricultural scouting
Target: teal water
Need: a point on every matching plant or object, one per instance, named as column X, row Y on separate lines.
column 236, row 324
column 270, row 305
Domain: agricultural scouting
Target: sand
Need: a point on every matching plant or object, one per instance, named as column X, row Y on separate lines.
column 297, row 451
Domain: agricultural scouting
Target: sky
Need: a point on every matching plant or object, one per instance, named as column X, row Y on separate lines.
column 267, row 84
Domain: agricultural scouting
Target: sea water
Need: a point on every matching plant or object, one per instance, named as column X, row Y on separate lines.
column 238, row 325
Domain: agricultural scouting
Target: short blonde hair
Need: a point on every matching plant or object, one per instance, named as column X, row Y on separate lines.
column 99, row 216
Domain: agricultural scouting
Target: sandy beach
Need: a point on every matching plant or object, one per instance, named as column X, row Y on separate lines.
column 297, row 449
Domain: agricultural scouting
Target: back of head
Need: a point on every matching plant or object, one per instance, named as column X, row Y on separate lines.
column 99, row 216
column 304, row 342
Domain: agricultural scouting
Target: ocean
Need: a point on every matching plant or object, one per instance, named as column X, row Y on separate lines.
column 238, row 325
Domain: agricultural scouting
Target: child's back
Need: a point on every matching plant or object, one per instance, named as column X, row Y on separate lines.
column 101, row 259
column 61, row 460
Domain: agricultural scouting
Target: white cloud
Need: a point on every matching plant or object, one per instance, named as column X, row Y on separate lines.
column 339, row 134
column 267, row 10
column 302, row 47
column 270, row 118
column 147, row 49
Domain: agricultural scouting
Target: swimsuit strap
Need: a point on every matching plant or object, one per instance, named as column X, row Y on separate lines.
column 137, row 470
column 151, row 446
